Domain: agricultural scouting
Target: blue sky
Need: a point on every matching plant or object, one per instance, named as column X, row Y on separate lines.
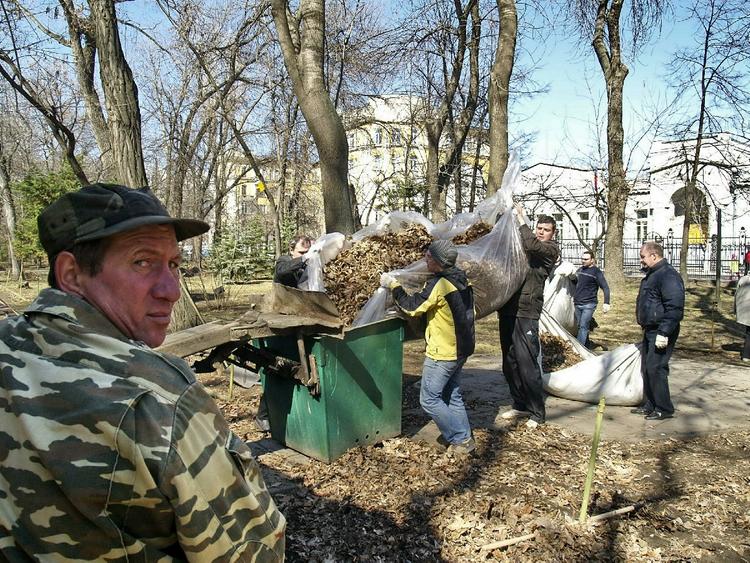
column 565, row 116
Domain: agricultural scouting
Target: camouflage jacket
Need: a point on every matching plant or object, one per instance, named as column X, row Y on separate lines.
column 112, row 451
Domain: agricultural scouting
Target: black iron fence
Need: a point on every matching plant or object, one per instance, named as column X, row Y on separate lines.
column 701, row 258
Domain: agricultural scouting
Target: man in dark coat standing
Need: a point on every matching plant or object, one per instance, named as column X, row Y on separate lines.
column 659, row 310
column 519, row 322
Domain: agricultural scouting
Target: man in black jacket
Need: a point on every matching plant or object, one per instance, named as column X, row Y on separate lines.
column 519, row 322
column 658, row 309
column 589, row 278
column 291, row 269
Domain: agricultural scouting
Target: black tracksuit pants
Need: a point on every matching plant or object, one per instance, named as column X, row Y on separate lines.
column 519, row 340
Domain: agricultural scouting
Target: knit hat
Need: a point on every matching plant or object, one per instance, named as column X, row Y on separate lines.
column 444, row 252
column 102, row 210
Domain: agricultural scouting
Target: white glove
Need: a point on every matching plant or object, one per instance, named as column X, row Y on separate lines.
column 386, row 280
column 661, row 341
column 605, row 307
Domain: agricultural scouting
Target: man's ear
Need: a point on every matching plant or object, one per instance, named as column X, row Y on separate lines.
column 68, row 273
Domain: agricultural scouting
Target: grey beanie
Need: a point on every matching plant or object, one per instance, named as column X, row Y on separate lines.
column 444, row 252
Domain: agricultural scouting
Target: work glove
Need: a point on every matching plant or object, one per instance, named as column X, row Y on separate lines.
column 605, row 307
column 386, row 280
column 661, row 341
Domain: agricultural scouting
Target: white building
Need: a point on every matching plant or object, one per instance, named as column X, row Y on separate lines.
column 388, row 155
column 577, row 197
column 723, row 185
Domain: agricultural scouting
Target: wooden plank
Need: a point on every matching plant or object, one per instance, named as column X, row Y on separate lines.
column 198, row 338
column 251, row 325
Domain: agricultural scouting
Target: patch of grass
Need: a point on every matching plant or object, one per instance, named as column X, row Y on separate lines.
column 707, row 331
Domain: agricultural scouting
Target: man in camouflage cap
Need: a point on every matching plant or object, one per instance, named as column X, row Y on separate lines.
column 108, row 449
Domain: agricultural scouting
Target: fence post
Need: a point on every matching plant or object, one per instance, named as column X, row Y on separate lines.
column 718, row 257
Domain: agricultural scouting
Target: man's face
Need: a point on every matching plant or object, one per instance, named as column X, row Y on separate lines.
column 545, row 231
column 432, row 264
column 586, row 260
column 300, row 249
column 139, row 282
column 648, row 258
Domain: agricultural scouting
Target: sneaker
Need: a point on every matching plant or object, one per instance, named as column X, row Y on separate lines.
column 658, row 415
column 641, row 410
column 746, row 359
column 463, row 448
column 531, row 424
column 514, row 413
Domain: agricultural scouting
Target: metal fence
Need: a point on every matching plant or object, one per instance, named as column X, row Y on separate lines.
column 701, row 259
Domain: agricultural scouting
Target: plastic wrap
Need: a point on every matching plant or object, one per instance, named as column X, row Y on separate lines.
column 323, row 250
column 394, row 222
column 487, row 211
column 495, row 264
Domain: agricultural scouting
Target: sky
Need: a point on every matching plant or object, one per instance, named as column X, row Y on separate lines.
column 565, row 116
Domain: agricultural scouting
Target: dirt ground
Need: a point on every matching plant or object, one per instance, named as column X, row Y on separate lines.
column 685, row 482
column 687, row 479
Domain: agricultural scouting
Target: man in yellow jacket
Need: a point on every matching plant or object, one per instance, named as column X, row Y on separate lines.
column 447, row 300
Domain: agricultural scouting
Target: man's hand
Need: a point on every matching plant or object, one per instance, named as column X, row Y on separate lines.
column 386, row 280
column 520, row 215
column 661, row 341
column 605, row 307
column 310, row 253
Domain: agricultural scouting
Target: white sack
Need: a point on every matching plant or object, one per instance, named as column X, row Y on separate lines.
column 558, row 296
column 614, row 375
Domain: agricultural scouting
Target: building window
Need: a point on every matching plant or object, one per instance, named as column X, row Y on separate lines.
column 395, row 138
column 413, row 164
column 583, row 225
column 377, row 163
column 558, row 217
column 641, row 224
column 378, row 136
column 398, row 164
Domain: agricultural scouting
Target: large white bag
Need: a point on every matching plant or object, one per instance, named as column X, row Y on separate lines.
column 614, row 375
column 558, row 296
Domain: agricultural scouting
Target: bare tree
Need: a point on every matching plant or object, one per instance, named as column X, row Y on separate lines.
column 302, row 39
column 713, row 74
column 603, row 20
column 499, row 92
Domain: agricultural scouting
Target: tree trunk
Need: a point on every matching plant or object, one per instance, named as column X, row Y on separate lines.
column 83, row 45
column 303, row 47
column 502, row 69
column 9, row 213
column 120, row 97
column 614, row 70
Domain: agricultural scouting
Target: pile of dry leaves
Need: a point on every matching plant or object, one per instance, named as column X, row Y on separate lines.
column 557, row 353
column 406, row 501
column 354, row 275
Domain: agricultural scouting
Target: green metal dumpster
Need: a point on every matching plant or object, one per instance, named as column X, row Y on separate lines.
column 360, row 390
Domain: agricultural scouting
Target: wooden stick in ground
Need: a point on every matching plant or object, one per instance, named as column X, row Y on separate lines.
column 592, row 462
column 506, row 543
column 611, row 514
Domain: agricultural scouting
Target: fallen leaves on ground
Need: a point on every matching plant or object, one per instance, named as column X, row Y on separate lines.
column 403, row 500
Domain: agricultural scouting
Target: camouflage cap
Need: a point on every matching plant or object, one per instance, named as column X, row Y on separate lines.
column 102, row 210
